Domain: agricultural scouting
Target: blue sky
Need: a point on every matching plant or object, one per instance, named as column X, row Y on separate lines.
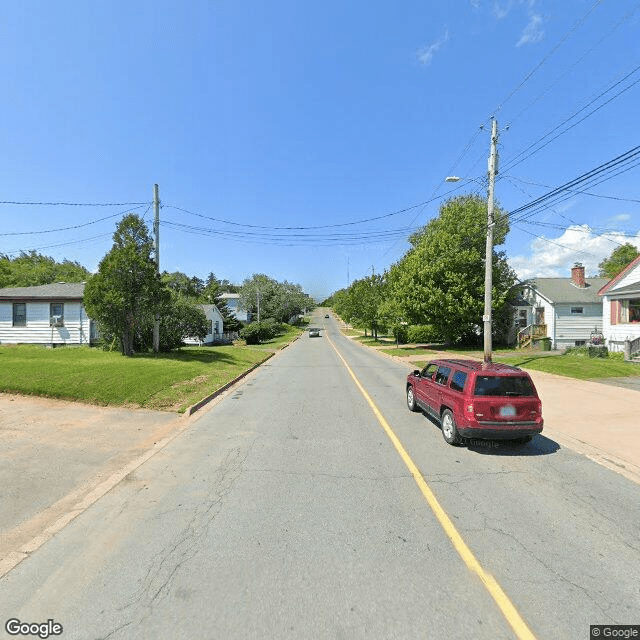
column 297, row 114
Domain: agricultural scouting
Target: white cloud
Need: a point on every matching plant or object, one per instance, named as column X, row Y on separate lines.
column 623, row 217
column 533, row 31
column 425, row 55
column 501, row 11
column 475, row 4
column 554, row 257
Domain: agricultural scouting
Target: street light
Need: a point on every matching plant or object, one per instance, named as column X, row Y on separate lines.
column 488, row 262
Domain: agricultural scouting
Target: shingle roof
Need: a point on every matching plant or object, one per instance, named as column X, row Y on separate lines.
column 57, row 291
column 630, row 288
column 612, row 283
column 564, row 290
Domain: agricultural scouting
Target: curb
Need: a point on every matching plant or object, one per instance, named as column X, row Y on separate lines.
column 217, row 392
column 222, row 389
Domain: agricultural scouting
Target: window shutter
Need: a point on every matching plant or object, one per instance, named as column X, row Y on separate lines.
column 615, row 311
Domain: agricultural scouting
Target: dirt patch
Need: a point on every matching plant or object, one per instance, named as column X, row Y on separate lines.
column 194, row 381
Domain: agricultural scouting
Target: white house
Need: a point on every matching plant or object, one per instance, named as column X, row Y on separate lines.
column 567, row 310
column 46, row 314
column 215, row 324
column 233, row 301
column 621, row 309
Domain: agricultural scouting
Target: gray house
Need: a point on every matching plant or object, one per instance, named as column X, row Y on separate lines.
column 46, row 314
column 567, row 310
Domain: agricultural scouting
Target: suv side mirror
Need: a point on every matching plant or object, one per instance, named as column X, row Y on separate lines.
column 416, row 373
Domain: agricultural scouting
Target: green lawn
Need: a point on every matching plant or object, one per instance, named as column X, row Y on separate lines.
column 172, row 381
column 571, row 365
column 382, row 340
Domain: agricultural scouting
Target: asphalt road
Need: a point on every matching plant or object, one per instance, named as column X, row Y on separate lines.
column 286, row 511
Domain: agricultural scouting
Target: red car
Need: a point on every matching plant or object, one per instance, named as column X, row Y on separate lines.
column 472, row 399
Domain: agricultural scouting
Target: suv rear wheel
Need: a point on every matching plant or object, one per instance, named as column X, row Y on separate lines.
column 449, row 429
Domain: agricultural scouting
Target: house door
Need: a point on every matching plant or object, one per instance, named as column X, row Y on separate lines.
column 540, row 315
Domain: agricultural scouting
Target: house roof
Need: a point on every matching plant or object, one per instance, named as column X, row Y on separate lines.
column 229, row 296
column 209, row 307
column 612, row 283
column 55, row 291
column 564, row 290
column 630, row 288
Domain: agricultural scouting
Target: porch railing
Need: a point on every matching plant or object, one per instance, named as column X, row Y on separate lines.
column 530, row 333
column 631, row 348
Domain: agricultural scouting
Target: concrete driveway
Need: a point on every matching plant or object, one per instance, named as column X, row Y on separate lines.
column 53, row 454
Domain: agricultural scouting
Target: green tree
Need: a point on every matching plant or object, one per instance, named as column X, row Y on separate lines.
column 440, row 280
column 126, row 293
column 181, row 283
column 30, row 269
column 278, row 300
column 610, row 267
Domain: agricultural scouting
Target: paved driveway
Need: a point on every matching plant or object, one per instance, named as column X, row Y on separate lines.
column 53, row 453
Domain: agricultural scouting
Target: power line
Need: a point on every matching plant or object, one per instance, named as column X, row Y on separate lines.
column 577, row 191
column 557, row 244
column 586, row 177
column 77, row 226
column 515, row 161
column 298, row 239
column 578, row 61
column 74, row 204
column 548, row 55
column 301, row 228
column 61, row 244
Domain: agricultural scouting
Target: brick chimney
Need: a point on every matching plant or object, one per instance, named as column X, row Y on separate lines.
column 577, row 275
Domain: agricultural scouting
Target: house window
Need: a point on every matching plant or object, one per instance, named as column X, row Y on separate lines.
column 210, row 327
column 577, row 309
column 625, row 311
column 217, row 327
column 521, row 320
column 580, row 343
column 56, row 314
column 19, row 314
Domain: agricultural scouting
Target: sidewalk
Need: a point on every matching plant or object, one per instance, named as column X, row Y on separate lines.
column 596, row 419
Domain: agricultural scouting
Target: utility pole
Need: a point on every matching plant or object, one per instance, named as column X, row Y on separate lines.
column 156, row 231
column 258, row 295
column 488, row 263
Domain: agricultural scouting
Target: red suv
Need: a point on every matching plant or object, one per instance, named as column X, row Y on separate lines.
column 472, row 399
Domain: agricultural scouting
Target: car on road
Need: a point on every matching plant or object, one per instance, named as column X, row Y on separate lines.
column 314, row 332
column 472, row 400
column 326, row 315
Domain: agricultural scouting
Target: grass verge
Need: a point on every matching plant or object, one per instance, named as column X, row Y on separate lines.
column 569, row 365
column 170, row 382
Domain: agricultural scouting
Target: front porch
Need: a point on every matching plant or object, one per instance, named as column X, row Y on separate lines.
column 531, row 335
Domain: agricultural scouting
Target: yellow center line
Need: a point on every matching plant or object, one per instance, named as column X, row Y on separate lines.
column 495, row 590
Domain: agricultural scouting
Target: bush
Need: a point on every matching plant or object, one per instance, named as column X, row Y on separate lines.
column 422, row 333
column 400, row 333
column 588, row 350
column 258, row 332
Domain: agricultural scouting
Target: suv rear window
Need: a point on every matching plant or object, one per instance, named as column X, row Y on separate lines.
column 503, row 386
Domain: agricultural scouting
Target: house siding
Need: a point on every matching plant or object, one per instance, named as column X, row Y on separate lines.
column 537, row 301
column 38, row 330
column 213, row 316
column 571, row 327
column 617, row 332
